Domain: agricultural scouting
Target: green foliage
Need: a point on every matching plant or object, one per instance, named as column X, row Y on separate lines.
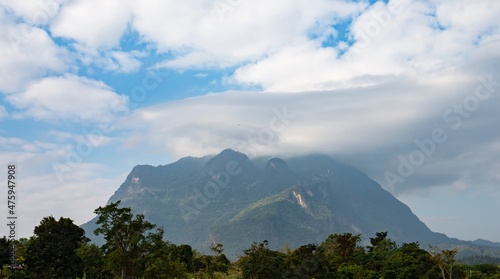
column 354, row 271
column 126, row 239
column 93, row 261
column 342, row 249
column 52, row 252
column 183, row 254
column 163, row 259
column 5, row 247
column 380, row 251
column 134, row 249
column 307, row 261
column 4, row 251
column 408, row 262
column 445, row 260
column 259, row 262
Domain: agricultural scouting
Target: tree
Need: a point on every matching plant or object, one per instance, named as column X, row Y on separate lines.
column 307, row 261
column 379, row 238
column 209, row 264
column 183, row 254
column 261, row 263
column 381, row 250
column 52, row 251
column 160, row 261
column 126, row 239
column 342, row 249
column 5, row 247
column 217, row 248
column 20, row 246
column 444, row 259
column 93, row 261
column 410, row 262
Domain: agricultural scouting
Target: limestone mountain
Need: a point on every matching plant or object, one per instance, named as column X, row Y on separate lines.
column 233, row 200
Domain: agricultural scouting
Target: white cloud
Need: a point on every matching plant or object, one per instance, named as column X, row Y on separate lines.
column 98, row 24
column 34, row 12
column 124, row 62
column 366, row 102
column 279, row 52
column 69, row 97
column 28, row 53
column 86, row 187
column 387, row 44
column 248, row 32
column 369, row 126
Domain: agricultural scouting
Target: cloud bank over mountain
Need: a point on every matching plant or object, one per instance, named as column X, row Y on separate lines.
column 405, row 90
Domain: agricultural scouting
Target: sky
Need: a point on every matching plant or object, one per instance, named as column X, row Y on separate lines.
column 408, row 91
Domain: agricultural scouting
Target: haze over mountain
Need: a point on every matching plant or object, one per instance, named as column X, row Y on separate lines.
column 233, row 200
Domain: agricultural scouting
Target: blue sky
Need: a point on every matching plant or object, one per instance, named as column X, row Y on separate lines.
column 85, row 96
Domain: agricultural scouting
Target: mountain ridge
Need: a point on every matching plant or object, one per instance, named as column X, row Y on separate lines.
column 230, row 199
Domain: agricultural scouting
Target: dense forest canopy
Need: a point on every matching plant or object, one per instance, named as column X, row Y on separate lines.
column 136, row 248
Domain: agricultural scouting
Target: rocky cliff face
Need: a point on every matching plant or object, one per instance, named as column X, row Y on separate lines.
column 229, row 199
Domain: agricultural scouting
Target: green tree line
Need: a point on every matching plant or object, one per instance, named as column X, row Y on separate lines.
column 136, row 248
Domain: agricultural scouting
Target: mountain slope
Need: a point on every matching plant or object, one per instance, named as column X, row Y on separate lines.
column 229, row 199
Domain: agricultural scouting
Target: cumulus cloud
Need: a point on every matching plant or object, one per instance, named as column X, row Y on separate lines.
column 283, row 50
column 401, row 38
column 211, row 38
column 69, row 97
column 98, row 24
column 33, row 12
column 403, row 69
column 28, row 53
column 207, row 37
column 370, row 127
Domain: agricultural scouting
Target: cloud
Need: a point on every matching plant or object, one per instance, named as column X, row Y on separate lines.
column 284, row 50
column 364, row 96
column 388, row 43
column 89, row 185
column 33, row 12
column 28, row 53
column 86, row 185
column 209, row 39
column 69, row 97
column 124, row 62
column 94, row 23
column 370, row 127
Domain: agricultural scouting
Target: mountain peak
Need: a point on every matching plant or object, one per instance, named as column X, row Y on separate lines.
column 276, row 164
column 225, row 156
column 228, row 198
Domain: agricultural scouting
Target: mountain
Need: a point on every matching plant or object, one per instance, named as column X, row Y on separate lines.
column 233, row 200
